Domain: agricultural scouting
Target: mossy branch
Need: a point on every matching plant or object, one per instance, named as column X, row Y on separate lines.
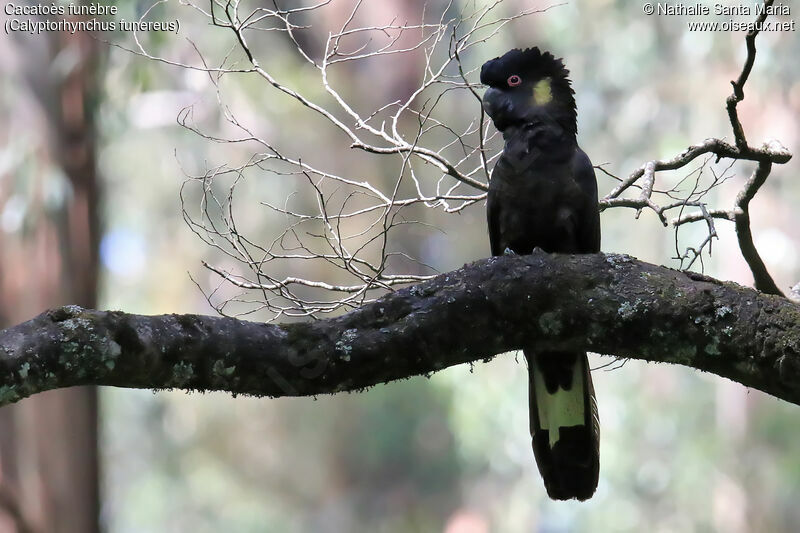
column 611, row 304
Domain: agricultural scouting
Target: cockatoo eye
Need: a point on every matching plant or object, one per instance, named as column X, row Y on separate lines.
column 514, row 80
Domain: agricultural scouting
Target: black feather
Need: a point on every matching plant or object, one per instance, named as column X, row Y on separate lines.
column 532, row 66
column 543, row 194
column 528, row 62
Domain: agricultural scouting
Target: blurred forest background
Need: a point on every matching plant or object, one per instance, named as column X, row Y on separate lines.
column 91, row 163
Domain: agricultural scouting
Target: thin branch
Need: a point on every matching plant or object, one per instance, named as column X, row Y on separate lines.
column 738, row 85
column 741, row 214
column 353, row 222
column 765, row 156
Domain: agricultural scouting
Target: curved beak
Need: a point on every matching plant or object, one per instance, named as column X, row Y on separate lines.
column 498, row 106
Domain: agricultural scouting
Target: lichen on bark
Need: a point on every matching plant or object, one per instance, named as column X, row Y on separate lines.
column 606, row 303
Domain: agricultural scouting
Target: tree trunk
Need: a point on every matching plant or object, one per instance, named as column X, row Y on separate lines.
column 48, row 443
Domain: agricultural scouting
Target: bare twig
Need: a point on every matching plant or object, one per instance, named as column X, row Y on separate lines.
column 738, row 85
column 339, row 250
column 765, row 156
column 447, row 167
column 741, row 214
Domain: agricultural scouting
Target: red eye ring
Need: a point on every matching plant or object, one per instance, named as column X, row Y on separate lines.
column 514, row 80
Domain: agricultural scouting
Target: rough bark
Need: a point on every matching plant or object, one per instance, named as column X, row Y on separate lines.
column 611, row 304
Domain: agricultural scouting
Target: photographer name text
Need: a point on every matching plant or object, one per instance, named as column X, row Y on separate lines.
column 698, row 9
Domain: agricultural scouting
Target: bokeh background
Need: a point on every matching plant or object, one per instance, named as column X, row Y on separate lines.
column 91, row 162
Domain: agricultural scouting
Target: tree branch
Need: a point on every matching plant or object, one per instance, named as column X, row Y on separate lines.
column 738, row 85
column 602, row 303
column 769, row 153
column 741, row 217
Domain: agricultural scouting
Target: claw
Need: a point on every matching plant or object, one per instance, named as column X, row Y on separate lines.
column 509, row 251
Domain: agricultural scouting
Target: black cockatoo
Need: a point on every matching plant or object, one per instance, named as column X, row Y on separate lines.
column 543, row 193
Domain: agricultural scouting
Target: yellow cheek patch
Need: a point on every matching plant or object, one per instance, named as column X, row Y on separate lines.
column 542, row 92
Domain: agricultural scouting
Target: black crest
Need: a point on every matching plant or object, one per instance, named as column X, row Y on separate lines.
column 530, row 63
column 533, row 65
